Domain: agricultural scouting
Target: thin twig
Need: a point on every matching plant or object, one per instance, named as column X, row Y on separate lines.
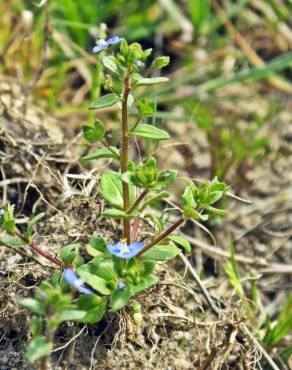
column 70, row 341
column 204, row 291
column 22, row 252
column 219, row 253
column 259, row 347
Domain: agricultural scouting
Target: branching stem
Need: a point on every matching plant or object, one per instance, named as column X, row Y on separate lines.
column 162, row 236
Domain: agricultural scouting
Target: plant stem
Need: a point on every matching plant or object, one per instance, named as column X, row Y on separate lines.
column 136, row 124
column 38, row 250
column 137, row 201
column 125, row 156
column 46, row 359
column 22, row 252
column 43, row 364
column 162, row 236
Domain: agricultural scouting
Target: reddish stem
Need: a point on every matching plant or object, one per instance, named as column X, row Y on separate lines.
column 162, row 236
column 53, row 259
column 41, row 252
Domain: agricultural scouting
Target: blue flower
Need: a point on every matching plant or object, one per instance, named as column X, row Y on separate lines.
column 113, row 40
column 121, row 285
column 124, row 250
column 103, row 44
column 138, row 63
column 42, row 296
column 73, row 279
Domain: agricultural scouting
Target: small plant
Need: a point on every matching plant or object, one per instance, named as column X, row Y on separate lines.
column 276, row 331
column 114, row 272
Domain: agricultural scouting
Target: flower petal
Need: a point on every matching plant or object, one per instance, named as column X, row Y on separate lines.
column 113, row 40
column 138, row 63
column 83, row 289
column 70, row 276
column 102, row 44
column 121, row 285
column 124, row 250
column 73, row 279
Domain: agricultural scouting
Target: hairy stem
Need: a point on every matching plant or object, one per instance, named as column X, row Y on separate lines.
column 125, row 156
column 162, row 236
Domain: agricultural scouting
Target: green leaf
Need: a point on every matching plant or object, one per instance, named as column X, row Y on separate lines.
column 33, row 305
column 282, row 326
column 149, row 132
column 102, row 153
column 95, row 282
column 116, row 213
column 158, row 222
column 161, row 62
column 147, row 283
column 166, row 178
column 97, row 249
column 215, row 196
column 71, row 315
column 103, row 268
column 7, row 221
column 221, row 212
column 98, row 243
column 69, row 252
column 182, row 242
column 146, row 108
column 105, row 101
column 112, row 189
column 218, row 186
column 35, row 326
column 88, row 301
column 110, row 63
column 148, row 267
column 31, row 224
column 161, row 253
column 120, row 298
column 91, row 251
column 95, row 314
column 154, row 198
column 231, row 270
column 151, row 81
column 95, row 132
column 38, row 348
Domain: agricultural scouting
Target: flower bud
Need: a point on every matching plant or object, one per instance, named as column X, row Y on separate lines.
column 124, row 48
column 161, row 62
